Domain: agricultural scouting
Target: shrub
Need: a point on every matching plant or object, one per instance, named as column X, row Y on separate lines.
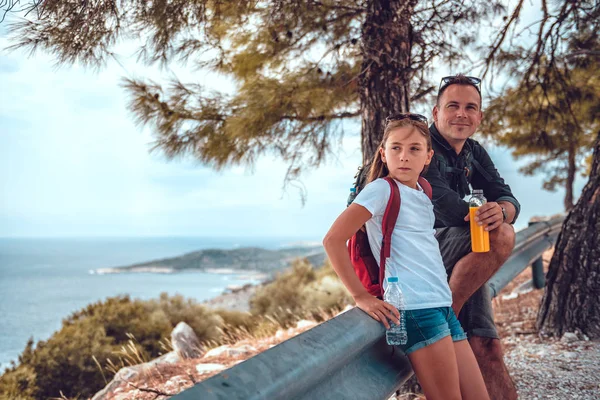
column 282, row 298
column 75, row 359
column 301, row 292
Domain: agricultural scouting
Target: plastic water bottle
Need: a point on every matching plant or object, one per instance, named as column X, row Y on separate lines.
column 397, row 333
column 351, row 196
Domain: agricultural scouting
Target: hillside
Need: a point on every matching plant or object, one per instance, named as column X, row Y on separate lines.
column 219, row 260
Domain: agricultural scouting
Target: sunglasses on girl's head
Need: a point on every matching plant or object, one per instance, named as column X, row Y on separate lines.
column 399, row 117
column 449, row 80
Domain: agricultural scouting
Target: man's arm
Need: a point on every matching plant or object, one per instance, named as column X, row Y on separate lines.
column 449, row 208
column 511, row 211
column 494, row 187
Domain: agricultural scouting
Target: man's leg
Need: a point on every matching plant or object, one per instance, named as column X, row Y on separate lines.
column 476, row 317
column 489, row 355
column 474, row 269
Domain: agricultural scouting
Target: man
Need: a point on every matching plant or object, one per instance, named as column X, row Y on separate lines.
column 459, row 161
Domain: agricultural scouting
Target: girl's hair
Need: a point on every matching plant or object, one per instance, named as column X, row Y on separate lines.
column 378, row 168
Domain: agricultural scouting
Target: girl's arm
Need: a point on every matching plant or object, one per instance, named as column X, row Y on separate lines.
column 346, row 225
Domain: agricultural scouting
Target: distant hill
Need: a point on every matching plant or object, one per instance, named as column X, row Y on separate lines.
column 242, row 259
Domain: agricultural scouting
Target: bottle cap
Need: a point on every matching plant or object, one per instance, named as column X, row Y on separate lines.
column 477, row 191
column 392, row 279
column 353, row 189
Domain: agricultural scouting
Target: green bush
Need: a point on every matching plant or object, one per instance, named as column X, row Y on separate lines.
column 300, row 292
column 18, row 382
column 66, row 363
column 204, row 321
column 75, row 359
column 282, row 298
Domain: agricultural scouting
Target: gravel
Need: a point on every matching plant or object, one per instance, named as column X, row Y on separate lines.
column 553, row 369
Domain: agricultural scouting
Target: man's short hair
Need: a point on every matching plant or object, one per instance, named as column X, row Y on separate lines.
column 459, row 79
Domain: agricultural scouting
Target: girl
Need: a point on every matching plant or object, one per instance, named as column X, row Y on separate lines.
column 437, row 347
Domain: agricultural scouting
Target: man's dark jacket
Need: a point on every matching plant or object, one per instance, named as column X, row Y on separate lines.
column 450, row 175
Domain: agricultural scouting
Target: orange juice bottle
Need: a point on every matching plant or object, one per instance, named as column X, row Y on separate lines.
column 480, row 238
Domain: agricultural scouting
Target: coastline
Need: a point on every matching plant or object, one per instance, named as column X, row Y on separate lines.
column 234, row 300
column 233, row 297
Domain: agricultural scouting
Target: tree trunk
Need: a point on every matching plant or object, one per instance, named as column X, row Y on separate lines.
column 385, row 78
column 571, row 170
column 570, row 301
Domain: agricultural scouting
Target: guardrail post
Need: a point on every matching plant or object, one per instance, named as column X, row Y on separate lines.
column 537, row 270
column 537, row 274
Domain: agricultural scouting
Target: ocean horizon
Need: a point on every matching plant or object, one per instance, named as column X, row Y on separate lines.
column 44, row 280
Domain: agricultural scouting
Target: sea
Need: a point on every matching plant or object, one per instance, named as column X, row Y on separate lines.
column 44, row 280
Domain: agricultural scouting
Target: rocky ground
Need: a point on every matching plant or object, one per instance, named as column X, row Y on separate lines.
column 236, row 299
column 541, row 368
column 544, row 368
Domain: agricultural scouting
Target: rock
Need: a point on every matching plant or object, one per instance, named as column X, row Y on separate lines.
column 570, row 354
column 230, row 351
column 542, row 352
column 123, row 376
column 569, row 337
column 127, row 374
column 510, row 296
column 176, row 381
column 203, row 368
column 216, row 352
column 241, row 351
column 169, row 358
column 302, row 324
column 185, row 342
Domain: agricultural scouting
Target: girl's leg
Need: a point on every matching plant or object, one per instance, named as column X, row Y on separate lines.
column 472, row 385
column 436, row 369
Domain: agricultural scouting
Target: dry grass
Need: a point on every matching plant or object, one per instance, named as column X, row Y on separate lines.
column 164, row 380
column 513, row 317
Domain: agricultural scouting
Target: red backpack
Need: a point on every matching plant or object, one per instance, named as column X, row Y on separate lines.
column 362, row 258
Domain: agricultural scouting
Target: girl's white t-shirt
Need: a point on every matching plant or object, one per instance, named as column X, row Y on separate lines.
column 415, row 254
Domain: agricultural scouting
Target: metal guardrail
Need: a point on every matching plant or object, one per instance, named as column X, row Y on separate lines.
column 530, row 243
column 347, row 357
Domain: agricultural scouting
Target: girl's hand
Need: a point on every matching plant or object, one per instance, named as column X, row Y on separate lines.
column 379, row 310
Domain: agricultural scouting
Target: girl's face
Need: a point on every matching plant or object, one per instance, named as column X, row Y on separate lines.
column 406, row 155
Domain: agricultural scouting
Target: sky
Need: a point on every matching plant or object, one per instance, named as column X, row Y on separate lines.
column 74, row 164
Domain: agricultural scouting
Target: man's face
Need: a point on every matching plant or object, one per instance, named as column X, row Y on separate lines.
column 458, row 114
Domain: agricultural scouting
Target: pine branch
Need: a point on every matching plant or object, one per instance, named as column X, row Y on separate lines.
column 578, row 53
column 322, row 117
column 500, row 39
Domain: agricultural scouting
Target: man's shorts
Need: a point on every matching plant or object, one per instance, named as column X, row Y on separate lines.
column 429, row 325
column 476, row 316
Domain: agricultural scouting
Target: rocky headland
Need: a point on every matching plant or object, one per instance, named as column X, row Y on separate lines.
column 246, row 260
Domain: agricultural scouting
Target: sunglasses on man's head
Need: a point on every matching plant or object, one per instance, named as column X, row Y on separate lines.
column 449, row 80
column 411, row 116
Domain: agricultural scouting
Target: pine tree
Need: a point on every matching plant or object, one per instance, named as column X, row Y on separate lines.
column 536, row 120
column 300, row 67
column 556, row 59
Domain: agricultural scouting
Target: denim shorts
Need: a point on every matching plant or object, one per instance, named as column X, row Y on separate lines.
column 476, row 316
column 427, row 326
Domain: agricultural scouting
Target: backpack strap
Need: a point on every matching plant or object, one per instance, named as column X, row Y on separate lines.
column 387, row 227
column 481, row 170
column 426, row 187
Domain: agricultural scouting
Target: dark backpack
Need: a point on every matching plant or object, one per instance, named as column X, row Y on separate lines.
column 361, row 256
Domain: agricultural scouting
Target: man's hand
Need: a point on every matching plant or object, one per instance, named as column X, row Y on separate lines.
column 489, row 215
column 379, row 310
